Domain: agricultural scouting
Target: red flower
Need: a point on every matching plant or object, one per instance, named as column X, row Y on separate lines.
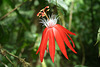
column 54, row 31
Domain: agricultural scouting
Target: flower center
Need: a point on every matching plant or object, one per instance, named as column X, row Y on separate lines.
column 51, row 21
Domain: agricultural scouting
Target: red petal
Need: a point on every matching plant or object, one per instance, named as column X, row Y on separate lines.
column 66, row 30
column 51, row 44
column 60, row 42
column 43, row 45
column 41, row 39
column 65, row 38
column 71, row 40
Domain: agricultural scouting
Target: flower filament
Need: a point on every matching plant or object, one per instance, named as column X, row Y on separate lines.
column 51, row 21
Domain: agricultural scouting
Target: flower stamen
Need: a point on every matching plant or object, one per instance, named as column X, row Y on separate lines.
column 43, row 11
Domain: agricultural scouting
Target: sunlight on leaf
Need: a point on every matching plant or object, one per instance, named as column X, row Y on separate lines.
column 43, row 63
column 98, row 36
column 59, row 3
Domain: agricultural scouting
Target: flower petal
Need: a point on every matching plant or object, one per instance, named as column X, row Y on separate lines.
column 71, row 40
column 51, row 44
column 60, row 42
column 66, row 30
column 65, row 38
column 43, row 45
column 42, row 39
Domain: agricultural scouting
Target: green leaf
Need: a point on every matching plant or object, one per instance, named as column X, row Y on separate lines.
column 59, row 3
column 99, row 49
column 98, row 36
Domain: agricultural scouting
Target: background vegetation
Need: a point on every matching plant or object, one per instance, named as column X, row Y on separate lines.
column 21, row 32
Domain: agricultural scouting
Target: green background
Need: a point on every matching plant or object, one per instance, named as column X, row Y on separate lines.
column 21, row 32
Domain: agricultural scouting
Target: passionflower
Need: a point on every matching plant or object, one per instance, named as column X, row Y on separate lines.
column 51, row 32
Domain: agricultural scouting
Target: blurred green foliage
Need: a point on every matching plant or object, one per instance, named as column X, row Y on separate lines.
column 21, row 32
